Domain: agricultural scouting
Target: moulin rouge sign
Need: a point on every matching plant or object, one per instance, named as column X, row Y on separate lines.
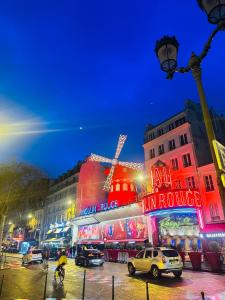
column 164, row 197
column 172, row 199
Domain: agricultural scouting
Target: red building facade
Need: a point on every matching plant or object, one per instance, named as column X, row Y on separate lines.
column 179, row 146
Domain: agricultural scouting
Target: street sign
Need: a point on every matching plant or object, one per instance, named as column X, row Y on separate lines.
column 220, row 154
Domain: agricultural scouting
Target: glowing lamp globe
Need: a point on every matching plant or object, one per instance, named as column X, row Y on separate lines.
column 215, row 10
column 166, row 50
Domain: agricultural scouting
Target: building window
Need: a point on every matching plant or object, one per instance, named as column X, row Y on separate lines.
column 132, row 187
column 187, row 160
column 161, row 149
column 174, row 162
column 160, row 131
column 177, row 184
column 190, row 181
column 172, row 145
column 209, row 183
column 111, row 189
column 180, row 121
column 171, row 126
column 152, row 153
column 117, row 187
column 214, row 213
column 183, row 139
column 151, row 136
column 125, row 187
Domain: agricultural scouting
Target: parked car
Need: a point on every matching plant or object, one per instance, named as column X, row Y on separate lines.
column 156, row 261
column 11, row 250
column 89, row 257
column 34, row 255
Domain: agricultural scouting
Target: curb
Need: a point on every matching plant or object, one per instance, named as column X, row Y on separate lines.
column 204, row 270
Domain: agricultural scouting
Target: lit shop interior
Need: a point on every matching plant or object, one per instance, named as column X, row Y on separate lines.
column 176, row 227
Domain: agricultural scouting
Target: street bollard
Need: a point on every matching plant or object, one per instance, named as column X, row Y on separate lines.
column 4, row 260
column 203, row 295
column 113, row 287
column 83, row 293
column 147, row 292
column 45, row 288
column 1, row 285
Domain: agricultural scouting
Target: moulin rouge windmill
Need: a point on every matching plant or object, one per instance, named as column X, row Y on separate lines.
column 115, row 161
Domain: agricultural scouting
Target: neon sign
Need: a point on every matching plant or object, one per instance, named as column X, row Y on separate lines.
column 169, row 223
column 161, row 176
column 180, row 226
column 98, row 208
column 171, row 199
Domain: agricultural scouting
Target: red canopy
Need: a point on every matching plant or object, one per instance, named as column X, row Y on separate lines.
column 216, row 227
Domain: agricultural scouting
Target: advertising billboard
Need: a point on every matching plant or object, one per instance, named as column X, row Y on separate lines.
column 89, row 232
column 125, row 229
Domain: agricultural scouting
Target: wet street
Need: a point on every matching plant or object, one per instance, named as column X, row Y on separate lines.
column 28, row 283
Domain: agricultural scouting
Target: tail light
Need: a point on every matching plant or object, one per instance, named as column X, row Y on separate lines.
column 164, row 259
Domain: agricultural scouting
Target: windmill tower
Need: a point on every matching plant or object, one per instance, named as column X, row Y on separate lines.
column 120, row 182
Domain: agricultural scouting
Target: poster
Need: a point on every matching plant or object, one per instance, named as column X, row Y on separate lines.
column 125, row 229
column 88, row 232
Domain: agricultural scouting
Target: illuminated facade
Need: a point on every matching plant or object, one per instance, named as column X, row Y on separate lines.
column 109, row 215
column 60, row 209
column 191, row 193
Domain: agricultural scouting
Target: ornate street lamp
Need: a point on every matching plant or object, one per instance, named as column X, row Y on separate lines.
column 215, row 10
column 166, row 50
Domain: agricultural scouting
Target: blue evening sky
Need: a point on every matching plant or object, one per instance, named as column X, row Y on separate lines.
column 83, row 71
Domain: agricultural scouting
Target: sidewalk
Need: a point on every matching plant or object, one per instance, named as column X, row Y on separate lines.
column 205, row 267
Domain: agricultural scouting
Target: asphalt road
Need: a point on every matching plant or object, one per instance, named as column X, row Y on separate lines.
column 28, row 283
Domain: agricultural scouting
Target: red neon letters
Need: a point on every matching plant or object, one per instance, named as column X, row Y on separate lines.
column 171, row 199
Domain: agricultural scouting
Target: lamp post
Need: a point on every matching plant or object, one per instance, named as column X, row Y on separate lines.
column 167, row 50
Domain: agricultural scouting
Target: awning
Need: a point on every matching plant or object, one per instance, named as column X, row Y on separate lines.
column 109, row 241
column 65, row 229
column 213, row 228
column 53, row 240
column 49, row 240
column 132, row 210
column 90, row 242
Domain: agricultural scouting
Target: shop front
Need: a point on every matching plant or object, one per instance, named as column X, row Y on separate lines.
column 175, row 218
column 213, row 234
column 120, row 232
column 59, row 235
column 112, row 221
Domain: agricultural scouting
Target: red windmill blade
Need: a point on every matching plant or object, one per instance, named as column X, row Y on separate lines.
column 114, row 162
